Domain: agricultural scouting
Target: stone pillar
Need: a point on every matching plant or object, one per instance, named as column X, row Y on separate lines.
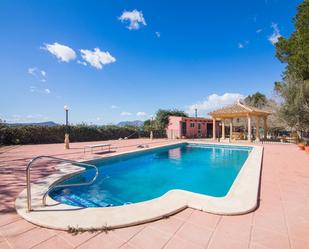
column 249, row 128
column 223, row 129
column 214, row 129
column 257, row 119
column 231, row 128
column 265, row 127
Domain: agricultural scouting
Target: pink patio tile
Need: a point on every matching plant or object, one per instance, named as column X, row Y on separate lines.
column 275, row 223
column 195, row 234
column 5, row 245
column 16, row 228
column 269, row 239
column 297, row 210
column 7, row 218
column 169, row 225
column 77, row 239
column 257, row 246
column 203, row 219
column 299, row 231
column 178, row 243
column 150, row 238
column 128, row 232
column 227, row 243
column 299, row 244
column 293, row 196
column 128, row 246
column 233, row 229
column 54, row 242
column 184, row 215
column 244, row 219
column 30, row 238
column 284, row 197
column 103, row 241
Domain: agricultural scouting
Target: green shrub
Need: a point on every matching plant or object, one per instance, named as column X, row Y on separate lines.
column 78, row 133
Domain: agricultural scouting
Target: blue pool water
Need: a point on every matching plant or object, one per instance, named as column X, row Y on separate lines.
column 204, row 169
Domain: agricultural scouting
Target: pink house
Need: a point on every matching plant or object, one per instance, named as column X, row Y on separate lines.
column 188, row 127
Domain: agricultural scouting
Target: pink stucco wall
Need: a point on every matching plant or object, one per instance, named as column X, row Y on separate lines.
column 174, row 127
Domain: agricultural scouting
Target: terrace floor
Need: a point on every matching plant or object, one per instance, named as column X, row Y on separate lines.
column 281, row 220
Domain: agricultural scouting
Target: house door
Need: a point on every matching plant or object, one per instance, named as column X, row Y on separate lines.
column 209, row 130
column 183, row 129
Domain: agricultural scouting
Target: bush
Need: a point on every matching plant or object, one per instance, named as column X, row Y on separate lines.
column 78, row 133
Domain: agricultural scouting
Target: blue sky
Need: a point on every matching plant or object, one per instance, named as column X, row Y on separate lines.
column 122, row 60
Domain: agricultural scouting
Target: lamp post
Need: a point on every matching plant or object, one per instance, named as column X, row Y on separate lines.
column 66, row 135
column 151, row 132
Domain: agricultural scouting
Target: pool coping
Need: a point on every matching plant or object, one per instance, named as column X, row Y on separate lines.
column 241, row 198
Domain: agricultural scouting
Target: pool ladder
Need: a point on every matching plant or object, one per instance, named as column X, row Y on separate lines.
column 53, row 186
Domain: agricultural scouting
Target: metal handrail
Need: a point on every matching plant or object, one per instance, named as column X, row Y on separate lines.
column 55, row 186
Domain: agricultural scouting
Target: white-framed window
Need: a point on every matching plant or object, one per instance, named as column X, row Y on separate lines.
column 192, row 125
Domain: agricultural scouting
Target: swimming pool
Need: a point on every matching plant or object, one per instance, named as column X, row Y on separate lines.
column 199, row 168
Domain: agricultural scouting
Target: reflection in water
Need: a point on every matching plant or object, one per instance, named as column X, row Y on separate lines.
column 174, row 154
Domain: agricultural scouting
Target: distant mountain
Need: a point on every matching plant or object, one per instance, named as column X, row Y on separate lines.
column 48, row 123
column 131, row 123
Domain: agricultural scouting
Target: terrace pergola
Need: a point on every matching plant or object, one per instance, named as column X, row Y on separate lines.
column 240, row 110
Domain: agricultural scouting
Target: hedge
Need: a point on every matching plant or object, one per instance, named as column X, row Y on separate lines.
column 78, row 133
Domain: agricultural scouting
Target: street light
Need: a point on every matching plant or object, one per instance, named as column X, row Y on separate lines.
column 151, row 132
column 66, row 135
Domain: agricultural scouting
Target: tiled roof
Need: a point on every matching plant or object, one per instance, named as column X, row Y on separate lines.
column 237, row 108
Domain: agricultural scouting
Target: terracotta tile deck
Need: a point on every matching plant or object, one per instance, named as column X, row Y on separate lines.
column 281, row 221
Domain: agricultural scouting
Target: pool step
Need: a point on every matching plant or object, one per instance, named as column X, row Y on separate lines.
column 76, row 200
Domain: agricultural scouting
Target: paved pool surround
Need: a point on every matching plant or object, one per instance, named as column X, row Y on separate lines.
column 241, row 198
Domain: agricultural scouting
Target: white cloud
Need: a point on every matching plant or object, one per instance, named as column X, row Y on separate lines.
column 214, row 101
column 126, row 114
column 274, row 37
column 62, row 52
column 259, row 30
column 135, row 19
column 82, row 63
column 243, row 44
column 114, row 107
column 141, row 114
column 97, row 58
column 32, row 71
column 38, row 74
column 158, row 34
column 35, row 89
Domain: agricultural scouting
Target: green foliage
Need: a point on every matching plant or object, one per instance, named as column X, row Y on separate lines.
column 162, row 117
column 55, row 134
column 295, row 108
column 148, row 125
column 259, row 100
column 294, row 89
column 295, row 50
column 256, row 100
